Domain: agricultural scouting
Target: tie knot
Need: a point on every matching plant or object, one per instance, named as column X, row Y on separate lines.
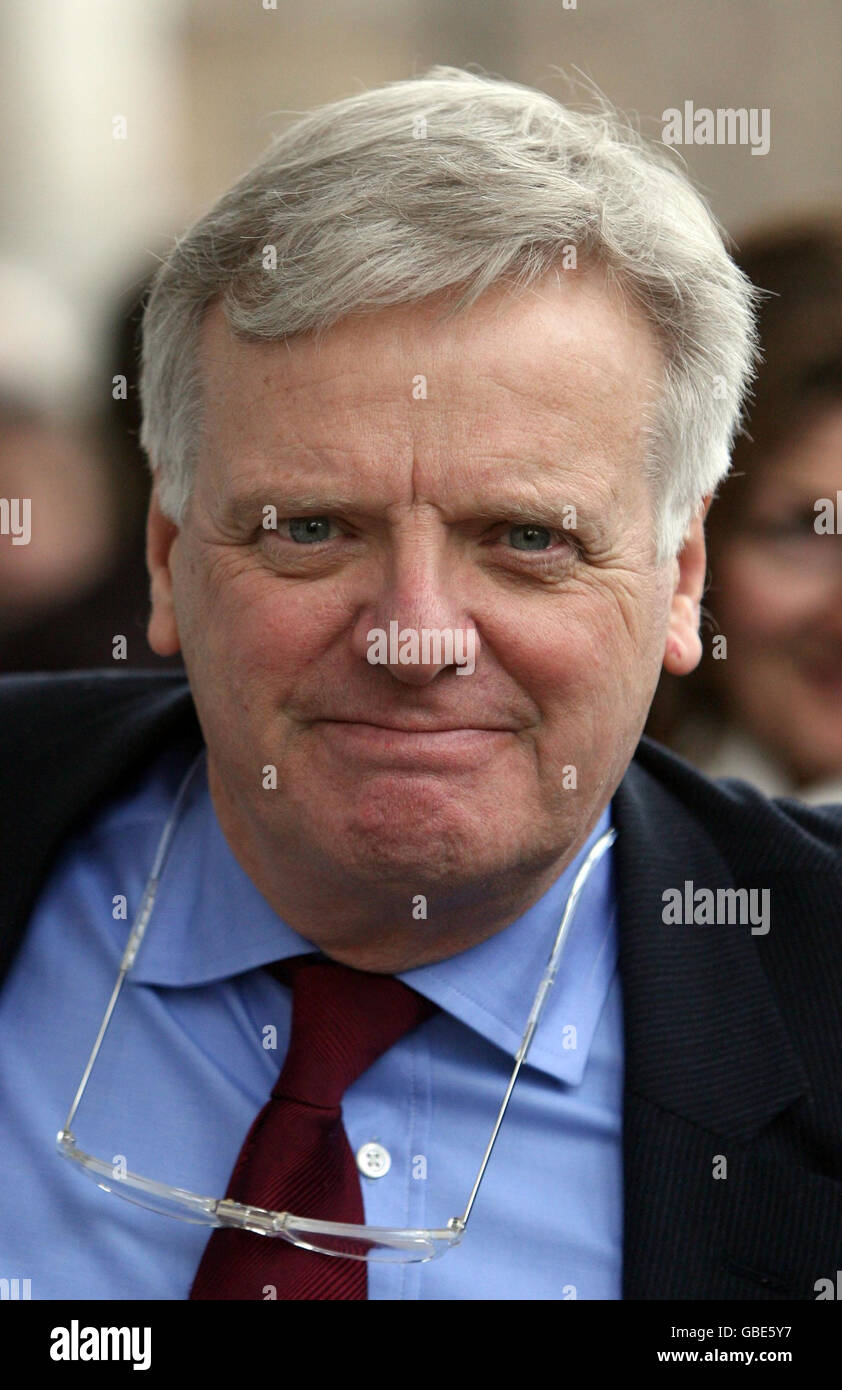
column 342, row 1021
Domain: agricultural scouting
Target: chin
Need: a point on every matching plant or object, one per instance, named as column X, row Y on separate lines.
column 419, row 850
column 422, row 855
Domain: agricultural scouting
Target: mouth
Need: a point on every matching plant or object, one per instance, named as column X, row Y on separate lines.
column 414, row 744
column 421, row 726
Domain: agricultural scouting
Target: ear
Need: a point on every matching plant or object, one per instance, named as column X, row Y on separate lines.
column 161, row 534
column 683, row 649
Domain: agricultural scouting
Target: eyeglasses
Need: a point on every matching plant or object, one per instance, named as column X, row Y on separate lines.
column 381, row 1243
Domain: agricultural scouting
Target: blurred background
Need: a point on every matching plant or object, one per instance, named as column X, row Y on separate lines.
column 123, row 119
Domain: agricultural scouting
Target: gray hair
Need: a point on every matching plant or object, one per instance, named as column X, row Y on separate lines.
column 454, row 180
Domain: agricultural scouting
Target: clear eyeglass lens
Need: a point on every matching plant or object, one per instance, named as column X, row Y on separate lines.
column 377, row 1244
column 327, row 1238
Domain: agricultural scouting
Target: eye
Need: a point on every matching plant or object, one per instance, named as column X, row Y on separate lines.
column 308, row 530
column 528, row 537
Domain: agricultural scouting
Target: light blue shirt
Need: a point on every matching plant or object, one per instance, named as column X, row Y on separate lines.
column 188, row 1062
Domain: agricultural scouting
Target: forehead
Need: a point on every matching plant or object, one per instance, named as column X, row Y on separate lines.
column 566, row 364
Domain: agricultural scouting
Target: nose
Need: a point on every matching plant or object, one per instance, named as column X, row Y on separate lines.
column 415, row 622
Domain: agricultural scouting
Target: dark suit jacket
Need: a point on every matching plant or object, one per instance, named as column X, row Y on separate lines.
column 733, row 1041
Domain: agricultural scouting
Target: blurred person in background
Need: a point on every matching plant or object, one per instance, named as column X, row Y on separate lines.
column 79, row 581
column 766, row 705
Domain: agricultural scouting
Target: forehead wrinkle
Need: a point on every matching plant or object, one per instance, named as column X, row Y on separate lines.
column 617, row 373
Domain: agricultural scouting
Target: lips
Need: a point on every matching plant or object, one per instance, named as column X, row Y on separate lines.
column 411, row 747
column 428, row 727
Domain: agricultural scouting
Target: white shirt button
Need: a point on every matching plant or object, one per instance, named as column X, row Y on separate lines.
column 373, row 1160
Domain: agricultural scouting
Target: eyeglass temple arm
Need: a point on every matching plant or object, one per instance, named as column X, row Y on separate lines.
column 460, row 1222
column 135, row 938
column 136, row 934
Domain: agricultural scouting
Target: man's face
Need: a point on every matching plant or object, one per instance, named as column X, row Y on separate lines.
column 437, row 464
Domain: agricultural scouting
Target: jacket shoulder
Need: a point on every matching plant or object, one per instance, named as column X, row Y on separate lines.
column 67, row 741
column 770, row 834
column 29, row 702
column 45, row 717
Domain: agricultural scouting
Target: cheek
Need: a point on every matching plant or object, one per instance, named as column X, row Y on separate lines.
column 247, row 638
column 575, row 654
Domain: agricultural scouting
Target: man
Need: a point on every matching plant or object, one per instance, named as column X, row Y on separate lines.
column 436, row 398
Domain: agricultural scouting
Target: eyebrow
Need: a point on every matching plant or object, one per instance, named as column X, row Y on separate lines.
column 244, row 507
column 550, row 510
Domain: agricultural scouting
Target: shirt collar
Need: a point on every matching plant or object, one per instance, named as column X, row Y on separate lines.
column 210, row 922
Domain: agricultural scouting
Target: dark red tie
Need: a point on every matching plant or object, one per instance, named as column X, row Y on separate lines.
column 296, row 1156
